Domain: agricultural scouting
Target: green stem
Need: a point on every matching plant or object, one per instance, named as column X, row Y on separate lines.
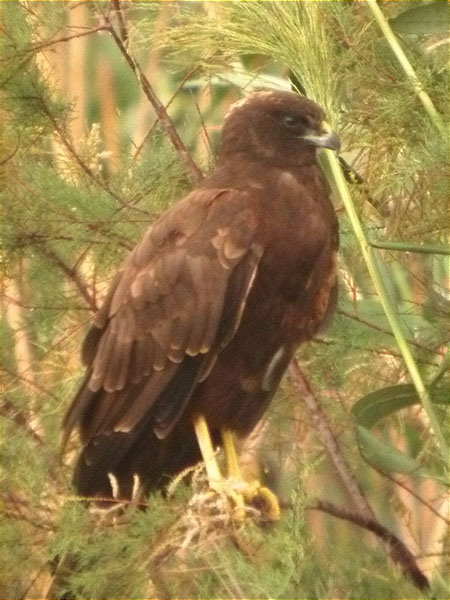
column 405, row 64
column 402, row 247
column 369, row 257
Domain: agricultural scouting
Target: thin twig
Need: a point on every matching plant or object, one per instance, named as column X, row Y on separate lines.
column 330, row 442
column 157, row 105
column 29, row 382
column 26, row 424
column 39, row 46
column 65, row 140
column 372, row 325
column 73, row 274
column 399, row 553
column 12, row 412
column 414, row 495
column 149, row 132
column 205, row 130
column 364, row 517
column 13, row 153
column 376, row 351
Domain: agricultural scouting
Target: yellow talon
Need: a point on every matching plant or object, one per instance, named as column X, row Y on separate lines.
column 264, row 500
column 243, row 495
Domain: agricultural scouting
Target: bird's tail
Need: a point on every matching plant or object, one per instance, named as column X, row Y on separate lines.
column 117, row 466
column 114, row 464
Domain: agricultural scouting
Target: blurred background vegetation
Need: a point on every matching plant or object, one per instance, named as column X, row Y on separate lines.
column 86, row 167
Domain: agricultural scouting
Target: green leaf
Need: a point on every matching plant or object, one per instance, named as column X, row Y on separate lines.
column 385, row 457
column 429, row 18
column 386, row 276
column 379, row 404
column 419, row 248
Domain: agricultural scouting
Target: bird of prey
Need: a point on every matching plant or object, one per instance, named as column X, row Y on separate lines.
column 205, row 314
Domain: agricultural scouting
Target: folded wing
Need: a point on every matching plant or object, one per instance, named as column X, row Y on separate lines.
column 176, row 301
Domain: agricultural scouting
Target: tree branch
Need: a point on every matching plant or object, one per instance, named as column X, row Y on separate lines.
column 73, row 274
column 166, row 122
column 329, row 441
column 372, row 325
column 397, row 549
column 39, row 46
column 364, row 517
column 147, row 135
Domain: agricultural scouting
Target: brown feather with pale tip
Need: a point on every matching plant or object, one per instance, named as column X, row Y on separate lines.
column 206, row 312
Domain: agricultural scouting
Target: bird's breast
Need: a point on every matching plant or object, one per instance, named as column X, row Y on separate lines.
column 297, row 272
column 290, row 298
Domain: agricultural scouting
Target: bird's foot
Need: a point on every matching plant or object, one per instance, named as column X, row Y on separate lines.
column 263, row 499
column 248, row 499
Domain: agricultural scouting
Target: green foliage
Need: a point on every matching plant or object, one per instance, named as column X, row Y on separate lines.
column 381, row 403
column 106, row 561
column 80, row 184
column 432, row 17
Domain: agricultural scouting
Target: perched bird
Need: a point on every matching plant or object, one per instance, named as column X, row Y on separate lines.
column 205, row 314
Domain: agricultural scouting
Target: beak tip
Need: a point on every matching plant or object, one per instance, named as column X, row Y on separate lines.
column 332, row 142
column 329, row 140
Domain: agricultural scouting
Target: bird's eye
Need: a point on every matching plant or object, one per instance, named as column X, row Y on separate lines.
column 293, row 121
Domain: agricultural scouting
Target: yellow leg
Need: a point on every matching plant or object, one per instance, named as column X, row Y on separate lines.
column 252, row 492
column 215, row 480
column 234, row 470
column 242, row 494
column 207, row 450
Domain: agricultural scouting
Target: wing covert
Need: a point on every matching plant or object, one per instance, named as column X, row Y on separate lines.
column 178, row 295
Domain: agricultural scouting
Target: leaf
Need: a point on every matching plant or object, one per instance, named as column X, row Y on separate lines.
column 432, row 17
column 386, row 276
column 379, row 404
column 385, row 457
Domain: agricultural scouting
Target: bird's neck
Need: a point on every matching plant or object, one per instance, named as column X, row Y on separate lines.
column 242, row 173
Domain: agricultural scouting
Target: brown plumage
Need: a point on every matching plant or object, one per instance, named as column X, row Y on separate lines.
column 206, row 312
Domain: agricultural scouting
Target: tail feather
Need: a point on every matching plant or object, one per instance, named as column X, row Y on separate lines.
column 108, row 465
column 127, row 435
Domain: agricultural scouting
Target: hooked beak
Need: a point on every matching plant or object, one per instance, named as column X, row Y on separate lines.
column 328, row 139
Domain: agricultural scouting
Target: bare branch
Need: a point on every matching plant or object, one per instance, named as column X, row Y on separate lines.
column 23, row 422
column 13, row 153
column 407, row 489
column 364, row 517
column 148, row 90
column 397, row 549
column 73, row 274
column 28, row 382
column 355, row 317
column 147, row 135
column 117, row 7
column 39, row 46
column 329, row 441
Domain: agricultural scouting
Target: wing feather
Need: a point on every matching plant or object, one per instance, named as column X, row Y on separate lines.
column 137, row 405
column 176, row 301
column 143, row 357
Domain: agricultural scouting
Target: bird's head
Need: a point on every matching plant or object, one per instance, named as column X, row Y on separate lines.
column 280, row 127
